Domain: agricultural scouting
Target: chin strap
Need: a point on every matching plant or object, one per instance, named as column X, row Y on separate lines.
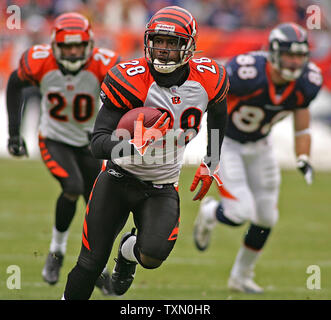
column 165, row 67
column 72, row 66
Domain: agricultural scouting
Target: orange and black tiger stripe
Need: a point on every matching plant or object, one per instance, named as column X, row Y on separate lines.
column 174, row 233
column 25, row 72
column 85, row 233
column 222, row 86
column 51, row 164
column 71, row 22
column 119, row 92
column 175, row 15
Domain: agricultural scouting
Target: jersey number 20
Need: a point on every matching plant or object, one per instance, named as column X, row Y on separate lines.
column 82, row 107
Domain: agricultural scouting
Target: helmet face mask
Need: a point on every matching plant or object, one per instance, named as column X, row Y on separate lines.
column 72, row 30
column 179, row 27
column 285, row 41
column 174, row 58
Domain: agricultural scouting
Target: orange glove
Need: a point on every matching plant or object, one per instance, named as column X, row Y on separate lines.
column 204, row 175
column 143, row 136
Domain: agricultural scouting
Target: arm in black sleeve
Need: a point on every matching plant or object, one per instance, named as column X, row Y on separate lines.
column 105, row 144
column 216, row 125
column 14, row 98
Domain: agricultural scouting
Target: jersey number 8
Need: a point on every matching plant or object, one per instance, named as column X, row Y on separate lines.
column 246, row 69
column 250, row 118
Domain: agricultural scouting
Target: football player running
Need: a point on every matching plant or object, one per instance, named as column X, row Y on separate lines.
column 183, row 88
column 69, row 73
column 265, row 87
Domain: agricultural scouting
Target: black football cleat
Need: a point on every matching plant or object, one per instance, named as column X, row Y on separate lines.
column 51, row 270
column 124, row 270
column 104, row 284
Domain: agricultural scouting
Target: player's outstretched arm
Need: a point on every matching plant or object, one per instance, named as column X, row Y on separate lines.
column 208, row 170
column 302, row 143
column 16, row 144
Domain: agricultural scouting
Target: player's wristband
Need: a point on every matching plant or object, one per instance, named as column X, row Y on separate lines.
column 302, row 132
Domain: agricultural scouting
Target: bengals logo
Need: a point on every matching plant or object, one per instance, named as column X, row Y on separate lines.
column 176, row 100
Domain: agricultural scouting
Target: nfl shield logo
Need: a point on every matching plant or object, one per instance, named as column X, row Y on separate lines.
column 173, row 89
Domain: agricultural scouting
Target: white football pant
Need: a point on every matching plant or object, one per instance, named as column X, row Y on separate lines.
column 251, row 179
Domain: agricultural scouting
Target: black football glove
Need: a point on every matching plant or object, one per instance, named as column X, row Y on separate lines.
column 17, row 146
column 304, row 166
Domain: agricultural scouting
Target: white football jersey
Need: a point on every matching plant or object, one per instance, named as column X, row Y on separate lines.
column 185, row 105
column 70, row 103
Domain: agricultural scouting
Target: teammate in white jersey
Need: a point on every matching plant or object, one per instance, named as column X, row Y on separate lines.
column 264, row 88
column 141, row 175
column 68, row 73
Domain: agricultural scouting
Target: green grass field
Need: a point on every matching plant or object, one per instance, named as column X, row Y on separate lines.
column 300, row 239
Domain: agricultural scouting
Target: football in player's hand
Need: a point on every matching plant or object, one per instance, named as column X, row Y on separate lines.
column 151, row 115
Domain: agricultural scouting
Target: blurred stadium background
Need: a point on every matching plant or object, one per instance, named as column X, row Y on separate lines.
column 227, row 28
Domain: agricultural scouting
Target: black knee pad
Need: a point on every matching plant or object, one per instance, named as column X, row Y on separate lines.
column 256, row 237
column 87, row 262
column 137, row 255
column 73, row 187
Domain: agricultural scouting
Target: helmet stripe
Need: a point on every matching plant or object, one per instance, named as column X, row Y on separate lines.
column 71, row 18
column 186, row 17
column 176, row 13
column 171, row 14
column 72, row 28
column 297, row 31
column 165, row 19
column 179, row 10
column 71, row 21
column 175, row 17
column 72, row 24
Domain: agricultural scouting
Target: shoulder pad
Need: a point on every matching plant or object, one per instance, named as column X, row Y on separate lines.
column 211, row 75
column 101, row 61
column 126, row 84
column 246, row 72
column 35, row 62
column 311, row 81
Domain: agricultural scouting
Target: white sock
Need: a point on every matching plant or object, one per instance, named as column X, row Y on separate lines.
column 105, row 269
column 210, row 210
column 127, row 249
column 59, row 241
column 245, row 262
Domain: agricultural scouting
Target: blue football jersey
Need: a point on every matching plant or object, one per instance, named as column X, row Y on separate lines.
column 255, row 103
